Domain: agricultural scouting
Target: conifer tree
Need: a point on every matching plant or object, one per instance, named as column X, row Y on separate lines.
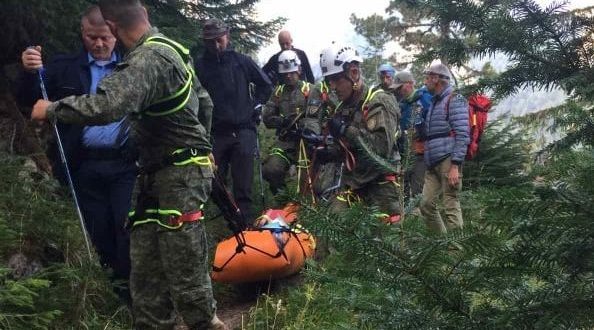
column 524, row 257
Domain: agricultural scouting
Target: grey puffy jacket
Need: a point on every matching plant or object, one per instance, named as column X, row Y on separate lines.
column 447, row 134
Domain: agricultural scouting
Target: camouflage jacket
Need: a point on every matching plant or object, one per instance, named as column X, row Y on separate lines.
column 148, row 72
column 374, row 119
column 302, row 103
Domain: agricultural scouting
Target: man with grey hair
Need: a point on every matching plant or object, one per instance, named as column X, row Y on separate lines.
column 170, row 115
column 446, row 137
column 99, row 156
column 286, row 43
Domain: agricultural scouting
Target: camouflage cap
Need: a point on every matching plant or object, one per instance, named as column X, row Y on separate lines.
column 214, row 28
column 401, row 78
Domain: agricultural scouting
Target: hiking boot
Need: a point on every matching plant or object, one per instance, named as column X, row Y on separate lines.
column 217, row 324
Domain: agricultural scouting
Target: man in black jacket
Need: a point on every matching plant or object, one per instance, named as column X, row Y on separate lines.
column 99, row 157
column 227, row 76
column 286, row 43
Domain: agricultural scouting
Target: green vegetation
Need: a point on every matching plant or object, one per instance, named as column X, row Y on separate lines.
column 525, row 257
column 523, row 260
column 52, row 283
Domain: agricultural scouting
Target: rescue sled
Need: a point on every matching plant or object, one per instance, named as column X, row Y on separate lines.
column 275, row 248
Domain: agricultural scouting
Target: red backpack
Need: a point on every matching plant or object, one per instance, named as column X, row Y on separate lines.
column 478, row 108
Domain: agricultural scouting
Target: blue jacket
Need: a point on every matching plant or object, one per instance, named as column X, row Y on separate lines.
column 227, row 79
column 420, row 97
column 447, row 134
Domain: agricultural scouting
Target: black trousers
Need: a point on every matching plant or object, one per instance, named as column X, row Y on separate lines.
column 235, row 149
column 104, row 189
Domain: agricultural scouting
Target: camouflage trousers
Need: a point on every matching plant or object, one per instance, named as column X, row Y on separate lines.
column 170, row 270
column 381, row 194
column 277, row 164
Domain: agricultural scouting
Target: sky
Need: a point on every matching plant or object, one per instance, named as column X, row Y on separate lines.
column 314, row 24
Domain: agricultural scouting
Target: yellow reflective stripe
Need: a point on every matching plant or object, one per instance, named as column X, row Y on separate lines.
column 157, row 221
column 180, row 46
column 324, row 88
column 198, row 160
column 184, row 89
column 338, row 106
column 395, row 182
column 162, row 213
column 368, row 98
column 187, row 84
column 279, row 90
column 348, row 197
column 279, row 152
column 305, row 88
column 302, row 163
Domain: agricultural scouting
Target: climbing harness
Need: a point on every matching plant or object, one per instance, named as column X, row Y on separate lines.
column 180, row 98
column 148, row 209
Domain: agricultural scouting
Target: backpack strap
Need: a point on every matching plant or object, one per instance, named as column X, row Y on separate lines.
column 447, row 106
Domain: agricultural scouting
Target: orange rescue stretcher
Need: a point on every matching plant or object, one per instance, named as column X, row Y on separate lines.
column 275, row 248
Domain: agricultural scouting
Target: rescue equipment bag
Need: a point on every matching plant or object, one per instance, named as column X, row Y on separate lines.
column 478, row 109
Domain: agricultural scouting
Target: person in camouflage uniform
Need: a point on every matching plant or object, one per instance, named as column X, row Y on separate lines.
column 168, row 246
column 294, row 107
column 365, row 128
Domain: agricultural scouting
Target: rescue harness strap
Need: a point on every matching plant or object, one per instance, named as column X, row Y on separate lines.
column 179, row 99
column 147, row 207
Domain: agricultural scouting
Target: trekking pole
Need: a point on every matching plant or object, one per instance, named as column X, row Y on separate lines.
column 66, row 169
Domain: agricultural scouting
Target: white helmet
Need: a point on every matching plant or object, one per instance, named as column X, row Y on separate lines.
column 288, row 61
column 334, row 58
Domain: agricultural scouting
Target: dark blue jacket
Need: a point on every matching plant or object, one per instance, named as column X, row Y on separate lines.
column 64, row 75
column 227, row 78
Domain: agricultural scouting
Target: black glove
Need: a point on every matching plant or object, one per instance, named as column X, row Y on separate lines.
column 337, row 127
column 310, row 136
column 325, row 155
column 257, row 114
column 288, row 122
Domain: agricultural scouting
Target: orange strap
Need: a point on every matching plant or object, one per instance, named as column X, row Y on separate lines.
column 393, row 219
column 186, row 217
column 391, row 177
column 349, row 160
